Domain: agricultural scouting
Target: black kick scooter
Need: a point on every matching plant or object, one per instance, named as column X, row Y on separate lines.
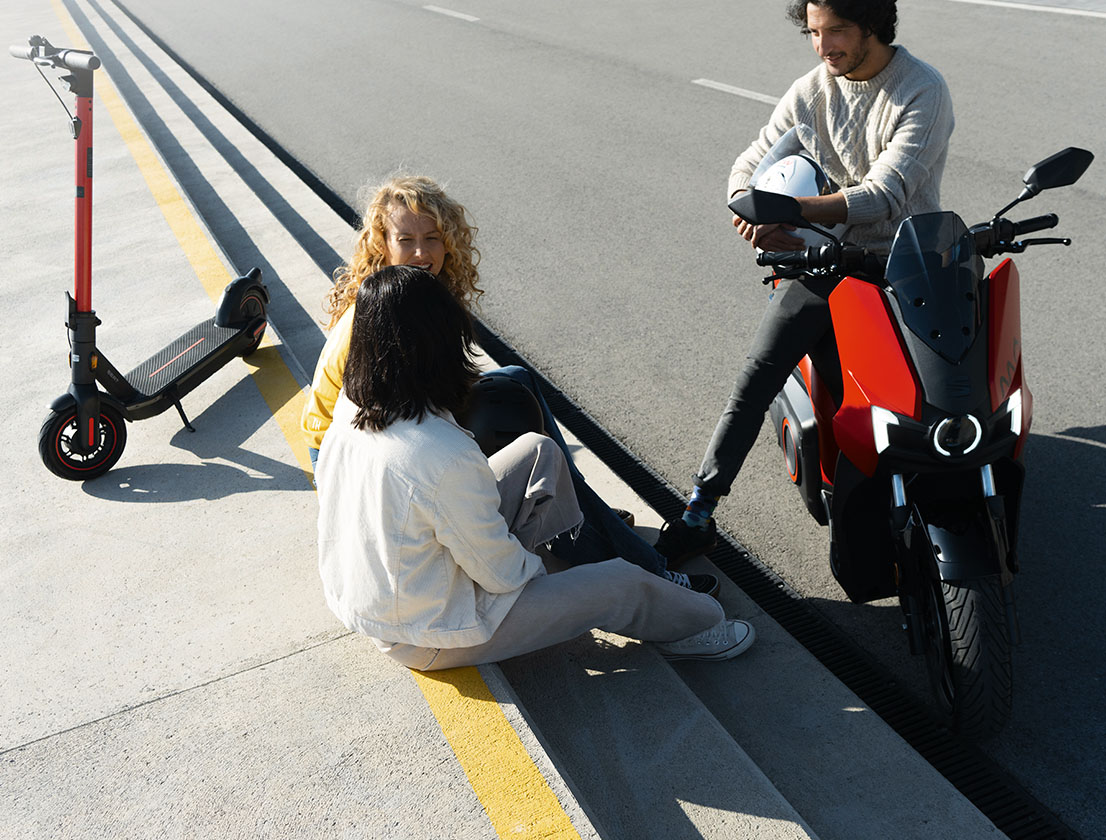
column 84, row 434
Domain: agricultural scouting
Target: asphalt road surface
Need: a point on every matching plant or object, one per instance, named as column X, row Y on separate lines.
column 596, row 167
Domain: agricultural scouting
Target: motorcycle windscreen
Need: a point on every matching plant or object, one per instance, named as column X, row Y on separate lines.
column 936, row 275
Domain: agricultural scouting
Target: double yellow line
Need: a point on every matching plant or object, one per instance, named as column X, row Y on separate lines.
column 513, row 792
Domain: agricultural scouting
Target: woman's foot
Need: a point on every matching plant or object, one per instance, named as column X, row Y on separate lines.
column 728, row 638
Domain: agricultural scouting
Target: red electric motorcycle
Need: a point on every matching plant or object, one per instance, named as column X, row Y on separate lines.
column 912, row 455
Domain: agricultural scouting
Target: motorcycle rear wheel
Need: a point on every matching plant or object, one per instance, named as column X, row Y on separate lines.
column 968, row 656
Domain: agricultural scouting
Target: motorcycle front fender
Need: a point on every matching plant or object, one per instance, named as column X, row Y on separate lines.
column 966, row 552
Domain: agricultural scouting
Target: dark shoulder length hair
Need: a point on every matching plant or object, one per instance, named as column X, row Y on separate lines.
column 410, row 350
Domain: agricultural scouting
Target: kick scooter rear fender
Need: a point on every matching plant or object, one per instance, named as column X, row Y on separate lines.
column 244, row 299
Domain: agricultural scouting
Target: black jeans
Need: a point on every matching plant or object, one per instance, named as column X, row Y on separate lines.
column 796, row 323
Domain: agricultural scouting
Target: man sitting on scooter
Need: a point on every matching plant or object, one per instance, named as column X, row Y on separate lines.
column 877, row 121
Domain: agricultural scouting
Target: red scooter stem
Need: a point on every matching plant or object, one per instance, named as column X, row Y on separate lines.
column 82, row 256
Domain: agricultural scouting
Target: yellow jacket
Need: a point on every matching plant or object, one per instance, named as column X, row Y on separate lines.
column 319, row 410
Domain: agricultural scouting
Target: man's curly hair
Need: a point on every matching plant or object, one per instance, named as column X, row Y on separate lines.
column 878, row 17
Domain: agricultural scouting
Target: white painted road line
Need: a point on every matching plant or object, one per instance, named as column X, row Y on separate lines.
column 736, row 91
column 1059, row 10
column 451, row 13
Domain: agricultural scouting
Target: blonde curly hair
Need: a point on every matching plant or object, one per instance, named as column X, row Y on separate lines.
column 425, row 197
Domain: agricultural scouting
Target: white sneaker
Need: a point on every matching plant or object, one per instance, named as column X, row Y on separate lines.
column 725, row 640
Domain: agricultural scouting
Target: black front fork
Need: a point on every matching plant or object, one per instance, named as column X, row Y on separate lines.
column 82, row 366
column 918, row 565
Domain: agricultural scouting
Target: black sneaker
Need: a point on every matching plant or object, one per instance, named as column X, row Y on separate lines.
column 679, row 541
column 707, row 584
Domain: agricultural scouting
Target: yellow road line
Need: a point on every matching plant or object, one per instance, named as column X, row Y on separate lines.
column 513, row 792
column 515, row 795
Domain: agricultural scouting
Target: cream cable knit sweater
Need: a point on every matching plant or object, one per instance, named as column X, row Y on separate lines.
column 884, row 141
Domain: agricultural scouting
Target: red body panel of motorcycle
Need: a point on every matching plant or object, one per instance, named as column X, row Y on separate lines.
column 824, row 409
column 1004, row 348
column 874, row 366
column 1004, row 345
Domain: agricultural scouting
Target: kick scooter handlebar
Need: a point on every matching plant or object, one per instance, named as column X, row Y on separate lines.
column 40, row 51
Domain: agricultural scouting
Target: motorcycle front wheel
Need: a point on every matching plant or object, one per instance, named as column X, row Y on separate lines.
column 968, row 655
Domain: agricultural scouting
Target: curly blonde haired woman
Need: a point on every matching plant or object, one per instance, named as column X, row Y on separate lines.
column 411, row 221
column 387, row 234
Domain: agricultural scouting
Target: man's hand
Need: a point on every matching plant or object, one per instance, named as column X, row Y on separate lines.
column 769, row 237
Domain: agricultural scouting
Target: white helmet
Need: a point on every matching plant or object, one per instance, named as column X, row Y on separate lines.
column 790, row 170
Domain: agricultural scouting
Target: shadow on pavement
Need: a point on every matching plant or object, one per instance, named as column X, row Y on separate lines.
column 223, row 430
column 635, row 786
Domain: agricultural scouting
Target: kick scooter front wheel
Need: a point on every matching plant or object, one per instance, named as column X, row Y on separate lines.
column 56, row 444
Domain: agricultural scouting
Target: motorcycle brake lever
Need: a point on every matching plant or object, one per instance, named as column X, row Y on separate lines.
column 1019, row 247
column 783, row 275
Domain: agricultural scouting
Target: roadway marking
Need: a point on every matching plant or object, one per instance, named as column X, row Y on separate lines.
column 515, row 795
column 736, row 91
column 1029, row 7
column 451, row 13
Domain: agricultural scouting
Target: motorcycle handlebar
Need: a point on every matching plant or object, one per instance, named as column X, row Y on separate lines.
column 1049, row 220
column 997, row 236
column 836, row 259
column 784, row 259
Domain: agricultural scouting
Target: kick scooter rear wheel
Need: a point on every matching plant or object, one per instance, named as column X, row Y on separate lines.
column 253, row 306
column 55, row 444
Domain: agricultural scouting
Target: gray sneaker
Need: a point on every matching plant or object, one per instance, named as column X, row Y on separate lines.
column 725, row 640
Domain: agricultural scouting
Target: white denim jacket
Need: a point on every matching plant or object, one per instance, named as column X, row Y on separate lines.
column 412, row 546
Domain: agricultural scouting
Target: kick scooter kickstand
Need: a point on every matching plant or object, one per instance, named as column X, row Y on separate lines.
column 184, row 419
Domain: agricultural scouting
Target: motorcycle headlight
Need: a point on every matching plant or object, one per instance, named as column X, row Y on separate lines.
column 956, row 436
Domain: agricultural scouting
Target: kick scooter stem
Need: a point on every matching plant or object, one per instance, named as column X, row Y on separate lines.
column 82, row 256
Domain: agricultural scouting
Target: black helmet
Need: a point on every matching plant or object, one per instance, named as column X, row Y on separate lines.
column 499, row 409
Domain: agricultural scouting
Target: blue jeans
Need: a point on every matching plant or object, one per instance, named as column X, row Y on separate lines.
column 603, row 534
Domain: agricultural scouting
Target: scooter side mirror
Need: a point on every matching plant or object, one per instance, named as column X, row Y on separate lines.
column 1059, row 170
column 760, row 207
